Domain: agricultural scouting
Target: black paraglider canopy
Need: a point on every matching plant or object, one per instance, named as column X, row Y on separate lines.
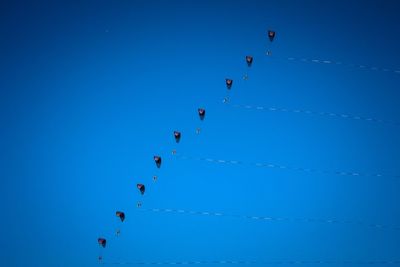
column 121, row 215
column 202, row 113
column 228, row 83
column 141, row 188
column 177, row 136
column 271, row 35
column 157, row 160
column 249, row 60
column 102, row 242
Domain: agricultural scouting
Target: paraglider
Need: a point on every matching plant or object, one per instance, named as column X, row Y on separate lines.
column 271, row 35
column 157, row 160
column 102, row 242
column 141, row 188
column 228, row 83
column 202, row 113
column 249, row 60
column 121, row 215
column 177, row 136
column 155, row 178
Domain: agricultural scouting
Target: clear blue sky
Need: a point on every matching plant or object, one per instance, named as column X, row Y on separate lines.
column 91, row 90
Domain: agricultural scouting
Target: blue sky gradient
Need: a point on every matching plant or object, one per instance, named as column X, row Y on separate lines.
column 90, row 91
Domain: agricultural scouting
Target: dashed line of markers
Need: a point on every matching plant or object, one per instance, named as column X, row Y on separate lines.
column 268, row 218
column 249, row 262
column 315, row 113
column 278, row 166
column 360, row 66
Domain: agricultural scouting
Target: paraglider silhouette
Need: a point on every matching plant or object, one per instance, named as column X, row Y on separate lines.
column 202, row 113
column 121, row 215
column 228, row 83
column 157, row 160
column 177, row 136
column 249, row 60
column 102, row 242
column 141, row 188
column 271, row 35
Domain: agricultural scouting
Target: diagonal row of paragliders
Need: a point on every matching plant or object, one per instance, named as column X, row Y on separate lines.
column 249, row 61
column 141, row 187
column 202, row 113
column 177, row 136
